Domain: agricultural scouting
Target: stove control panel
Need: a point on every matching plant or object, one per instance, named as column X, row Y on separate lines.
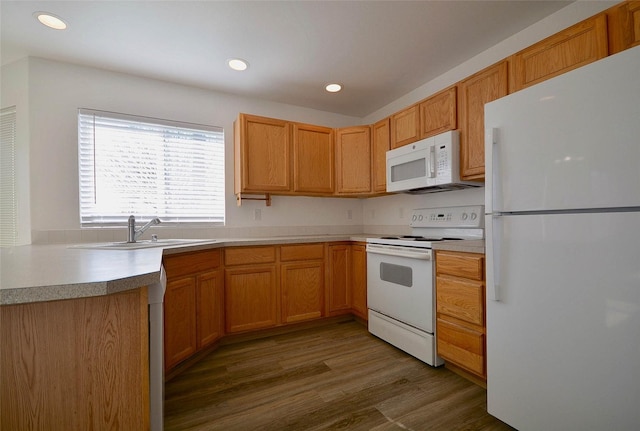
column 463, row 217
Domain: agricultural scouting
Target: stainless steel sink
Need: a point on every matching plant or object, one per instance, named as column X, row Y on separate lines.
column 143, row 244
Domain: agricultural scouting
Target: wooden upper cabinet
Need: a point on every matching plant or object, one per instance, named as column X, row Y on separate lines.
column 569, row 49
column 405, row 127
column 353, row 160
column 313, row 159
column 438, row 113
column 623, row 23
column 381, row 143
column 483, row 87
column 261, row 154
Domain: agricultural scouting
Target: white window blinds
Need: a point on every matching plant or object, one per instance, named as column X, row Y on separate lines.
column 148, row 167
column 8, row 209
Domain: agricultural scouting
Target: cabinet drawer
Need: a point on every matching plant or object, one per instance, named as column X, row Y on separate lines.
column 301, row 252
column 178, row 265
column 462, row 299
column 462, row 346
column 466, row 265
column 249, row 255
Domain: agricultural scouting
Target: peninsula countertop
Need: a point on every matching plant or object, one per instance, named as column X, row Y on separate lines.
column 35, row 273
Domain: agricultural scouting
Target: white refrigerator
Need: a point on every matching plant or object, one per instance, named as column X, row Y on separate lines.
column 562, row 198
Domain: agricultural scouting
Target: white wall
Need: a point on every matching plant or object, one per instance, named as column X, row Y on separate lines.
column 14, row 91
column 52, row 92
column 57, row 90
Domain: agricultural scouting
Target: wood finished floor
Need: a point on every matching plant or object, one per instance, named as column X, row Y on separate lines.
column 334, row 377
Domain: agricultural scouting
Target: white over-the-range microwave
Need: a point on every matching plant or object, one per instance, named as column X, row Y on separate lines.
column 427, row 166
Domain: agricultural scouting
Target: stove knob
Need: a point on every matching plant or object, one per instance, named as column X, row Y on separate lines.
column 414, row 218
column 420, row 217
column 465, row 216
column 474, row 216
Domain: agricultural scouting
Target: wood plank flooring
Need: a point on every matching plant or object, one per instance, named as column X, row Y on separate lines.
column 333, row 377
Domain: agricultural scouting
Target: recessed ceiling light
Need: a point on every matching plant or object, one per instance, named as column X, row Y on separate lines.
column 238, row 64
column 333, row 88
column 50, row 20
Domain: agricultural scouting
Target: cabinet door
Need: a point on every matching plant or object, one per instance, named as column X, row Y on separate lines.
column 179, row 320
column 353, row 160
column 209, row 307
column 261, row 154
column 571, row 48
column 250, row 298
column 438, row 113
column 623, row 24
column 483, row 87
column 405, row 127
column 359, row 280
column 302, row 290
column 381, row 138
column 338, row 291
column 313, row 159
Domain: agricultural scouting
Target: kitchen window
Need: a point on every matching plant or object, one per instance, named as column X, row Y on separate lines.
column 148, row 167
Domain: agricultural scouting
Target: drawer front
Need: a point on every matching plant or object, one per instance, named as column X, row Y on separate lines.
column 462, row 299
column 177, row 265
column 249, row 255
column 466, row 265
column 462, row 346
column 301, row 252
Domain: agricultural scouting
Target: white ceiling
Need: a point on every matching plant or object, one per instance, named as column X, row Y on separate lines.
column 378, row 50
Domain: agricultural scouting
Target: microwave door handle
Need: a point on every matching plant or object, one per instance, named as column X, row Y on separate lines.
column 432, row 161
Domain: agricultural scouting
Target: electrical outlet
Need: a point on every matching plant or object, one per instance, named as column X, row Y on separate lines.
column 257, row 214
column 349, row 214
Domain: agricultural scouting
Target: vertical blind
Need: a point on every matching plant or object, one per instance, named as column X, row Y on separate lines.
column 8, row 210
column 148, row 167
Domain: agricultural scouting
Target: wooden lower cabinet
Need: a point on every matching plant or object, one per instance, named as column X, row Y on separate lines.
column 359, row 280
column 209, row 308
column 259, row 287
column 76, row 364
column 180, row 340
column 250, row 298
column 339, row 292
column 193, row 306
column 302, row 291
column 460, row 312
column 302, row 281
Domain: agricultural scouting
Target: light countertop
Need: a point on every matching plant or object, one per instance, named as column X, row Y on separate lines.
column 467, row 246
column 35, row 273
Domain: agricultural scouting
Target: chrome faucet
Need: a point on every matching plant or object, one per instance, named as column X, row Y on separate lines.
column 134, row 234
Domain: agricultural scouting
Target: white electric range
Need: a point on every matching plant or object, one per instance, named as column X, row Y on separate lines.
column 400, row 277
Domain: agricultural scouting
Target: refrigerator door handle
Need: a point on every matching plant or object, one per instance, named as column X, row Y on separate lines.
column 494, row 235
column 491, row 157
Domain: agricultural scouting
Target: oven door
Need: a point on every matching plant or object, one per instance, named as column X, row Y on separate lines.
column 400, row 284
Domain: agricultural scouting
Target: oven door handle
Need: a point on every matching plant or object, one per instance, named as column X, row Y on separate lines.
column 412, row 253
